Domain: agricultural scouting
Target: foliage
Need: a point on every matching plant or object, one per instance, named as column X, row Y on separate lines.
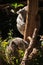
column 10, row 34
column 16, row 5
column 14, row 60
column 41, row 43
column 8, row 55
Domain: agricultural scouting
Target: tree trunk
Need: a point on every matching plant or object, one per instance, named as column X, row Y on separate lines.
column 32, row 18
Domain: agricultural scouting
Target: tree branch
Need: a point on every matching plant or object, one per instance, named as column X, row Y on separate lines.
column 30, row 51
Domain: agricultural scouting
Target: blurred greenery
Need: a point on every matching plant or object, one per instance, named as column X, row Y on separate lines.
column 16, row 5
column 7, row 54
column 14, row 60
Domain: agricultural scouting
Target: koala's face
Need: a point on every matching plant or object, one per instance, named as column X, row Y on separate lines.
column 18, row 43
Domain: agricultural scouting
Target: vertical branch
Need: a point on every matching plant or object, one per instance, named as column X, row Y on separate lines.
column 27, row 21
column 30, row 52
column 31, row 27
column 31, row 23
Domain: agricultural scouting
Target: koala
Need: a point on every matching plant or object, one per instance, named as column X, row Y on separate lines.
column 18, row 43
column 21, row 19
column 12, row 49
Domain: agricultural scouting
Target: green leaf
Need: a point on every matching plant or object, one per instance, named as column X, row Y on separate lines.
column 42, row 43
column 20, row 5
column 4, row 44
column 16, row 5
column 16, row 60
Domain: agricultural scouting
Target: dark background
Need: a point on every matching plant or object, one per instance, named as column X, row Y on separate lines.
column 9, row 21
column 10, row 1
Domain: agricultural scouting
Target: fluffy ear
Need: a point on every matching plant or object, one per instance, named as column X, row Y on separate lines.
column 25, row 9
column 20, row 11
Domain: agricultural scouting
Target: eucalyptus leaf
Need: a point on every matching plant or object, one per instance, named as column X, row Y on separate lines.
column 16, row 5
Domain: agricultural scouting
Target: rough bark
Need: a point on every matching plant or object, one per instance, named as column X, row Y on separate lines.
column 32, row 18
column 32, row 24
column 29, row 53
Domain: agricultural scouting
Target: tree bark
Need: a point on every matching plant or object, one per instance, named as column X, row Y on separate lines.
column 32, row 18
column 29, row 53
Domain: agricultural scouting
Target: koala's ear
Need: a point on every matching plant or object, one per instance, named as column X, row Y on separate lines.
column 24, row 9
column 20, row 11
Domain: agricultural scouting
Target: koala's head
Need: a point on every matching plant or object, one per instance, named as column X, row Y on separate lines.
column 18, row 43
